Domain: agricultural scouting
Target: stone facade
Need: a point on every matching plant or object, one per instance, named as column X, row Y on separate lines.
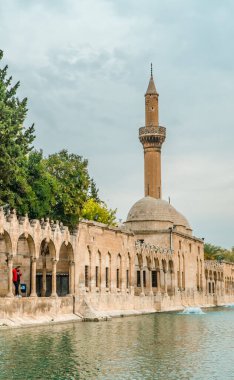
column 110, row 269
column 150, row 263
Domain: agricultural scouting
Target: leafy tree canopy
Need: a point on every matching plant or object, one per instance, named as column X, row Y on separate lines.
column 58, row 187
column 73, row 183
column 213, row 252
column 15, row 144
column 99, row 212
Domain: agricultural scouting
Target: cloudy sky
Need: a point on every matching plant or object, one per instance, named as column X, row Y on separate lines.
column 84, row 66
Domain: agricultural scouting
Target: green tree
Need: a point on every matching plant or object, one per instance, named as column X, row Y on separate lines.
column 15, row 144
column 57, row 187
column 94, row 191
column 44, row 187
column 63, row 190
column 98, row 212
column 71, row 174
column 213, row 252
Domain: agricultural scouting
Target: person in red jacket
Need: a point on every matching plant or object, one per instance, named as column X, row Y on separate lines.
column 16, row 274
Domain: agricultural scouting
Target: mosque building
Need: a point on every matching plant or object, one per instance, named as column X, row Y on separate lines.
column 152, row 262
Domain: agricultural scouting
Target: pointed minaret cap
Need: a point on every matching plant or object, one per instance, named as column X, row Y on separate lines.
column 151, row 87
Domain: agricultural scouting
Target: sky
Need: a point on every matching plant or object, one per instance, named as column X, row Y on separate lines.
column 85, row 65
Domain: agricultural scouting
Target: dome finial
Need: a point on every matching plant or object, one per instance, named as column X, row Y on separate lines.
column 151, row 70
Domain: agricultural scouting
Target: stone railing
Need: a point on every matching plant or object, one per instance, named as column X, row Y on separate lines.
column 143, row 131
column 152, row 136
column 151, row 248
column 213, row 265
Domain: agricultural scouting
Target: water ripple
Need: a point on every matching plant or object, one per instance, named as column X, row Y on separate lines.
column 164, row 346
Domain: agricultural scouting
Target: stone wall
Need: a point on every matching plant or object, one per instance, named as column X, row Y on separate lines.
column 107, row 268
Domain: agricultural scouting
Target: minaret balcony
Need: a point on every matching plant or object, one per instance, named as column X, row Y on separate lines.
column 152, row 135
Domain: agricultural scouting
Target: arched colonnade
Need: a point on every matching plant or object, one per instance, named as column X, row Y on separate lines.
column 44, row 251
column 107, row 271
column 214, row 277
column 155, row 270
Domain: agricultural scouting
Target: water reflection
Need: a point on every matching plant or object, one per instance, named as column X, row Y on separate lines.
column 162, row 346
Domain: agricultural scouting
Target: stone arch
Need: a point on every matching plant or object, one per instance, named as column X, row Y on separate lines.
column 27, row 244
column 148, row 262
column 47, row 248
column 171, row 266
column 25, row 253
column 65, row 270
column 140, row 260
column 6, row 256
column 164, row 265
column 156, row 263
column 5, row 237
column 46, row 261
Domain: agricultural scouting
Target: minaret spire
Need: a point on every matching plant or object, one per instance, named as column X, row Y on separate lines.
column 152, row 137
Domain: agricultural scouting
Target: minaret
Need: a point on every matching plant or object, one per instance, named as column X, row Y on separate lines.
column 152, row 137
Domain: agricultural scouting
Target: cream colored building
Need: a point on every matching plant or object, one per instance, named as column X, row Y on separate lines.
column 150, row 263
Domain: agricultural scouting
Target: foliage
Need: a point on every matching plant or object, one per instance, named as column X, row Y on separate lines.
column 99, row 212
column 72, row 183
column 94, row 191
column 44, row 187
column 15, row 144
column 58, row 187
column 213, row 252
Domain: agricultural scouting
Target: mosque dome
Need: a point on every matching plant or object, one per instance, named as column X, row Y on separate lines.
column 151, row 213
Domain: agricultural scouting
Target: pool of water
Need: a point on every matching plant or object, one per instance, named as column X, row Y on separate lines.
column 161, row 346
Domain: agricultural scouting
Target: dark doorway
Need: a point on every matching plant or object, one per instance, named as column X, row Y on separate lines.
column 62, row 283
column 154, row 279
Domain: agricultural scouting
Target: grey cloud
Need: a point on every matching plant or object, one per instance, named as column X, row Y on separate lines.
column 84, row 66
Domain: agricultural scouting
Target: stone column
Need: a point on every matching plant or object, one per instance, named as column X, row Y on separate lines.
column 207, row 290
column 92, row 267
column 173, row 285
column 33, row 277
column 201, row 281
column 132, row 276
column 165, row 282
column 43, row 291
column 71, row 277
column 215, row 286
column 158, row 281
column 222, row 287
column 100, row 274
column 122, row 272
column 150, row 282
column 129, row 276
column 142, row 282
column 10, row 266
column 218, row 287
column 111, row 285
column 54, row 272
column 103, row 276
